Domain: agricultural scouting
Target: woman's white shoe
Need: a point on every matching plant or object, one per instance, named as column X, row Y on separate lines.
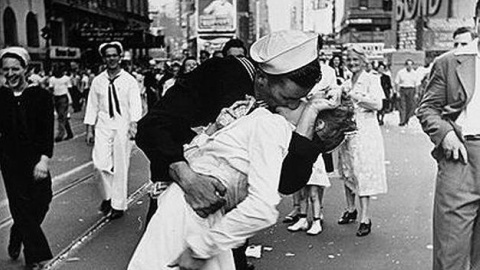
column 300, row 225
column 316, row 228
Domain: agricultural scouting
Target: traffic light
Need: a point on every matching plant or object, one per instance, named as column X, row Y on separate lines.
column 45, row 32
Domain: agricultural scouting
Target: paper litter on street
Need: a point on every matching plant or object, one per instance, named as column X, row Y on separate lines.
column 254, row 251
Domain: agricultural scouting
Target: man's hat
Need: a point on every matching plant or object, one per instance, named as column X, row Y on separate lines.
column 17, row 52
column 284, row 51
column 114, row 44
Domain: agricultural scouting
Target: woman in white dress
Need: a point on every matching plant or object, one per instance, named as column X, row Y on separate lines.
column 361, row 157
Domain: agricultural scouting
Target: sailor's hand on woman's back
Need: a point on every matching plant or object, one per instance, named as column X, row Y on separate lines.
column 203, row 193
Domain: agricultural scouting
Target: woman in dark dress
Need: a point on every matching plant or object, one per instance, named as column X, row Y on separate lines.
column 337, row 64
column 26, row 145
column 386, row 83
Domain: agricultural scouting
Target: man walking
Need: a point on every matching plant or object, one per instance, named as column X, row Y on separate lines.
column 26, row 146
column 111, row 116
column 449, row 113
column 406, row 83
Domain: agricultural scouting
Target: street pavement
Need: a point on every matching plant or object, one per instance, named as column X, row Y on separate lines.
column 81, row 238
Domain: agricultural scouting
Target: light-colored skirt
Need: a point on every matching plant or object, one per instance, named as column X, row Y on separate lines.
column 319, row 175
column 165, row 237
column 361, row 158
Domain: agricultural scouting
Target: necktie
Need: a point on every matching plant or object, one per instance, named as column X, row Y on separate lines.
column 112, row 94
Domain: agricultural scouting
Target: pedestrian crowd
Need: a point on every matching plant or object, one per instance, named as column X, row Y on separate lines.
column 228, row 134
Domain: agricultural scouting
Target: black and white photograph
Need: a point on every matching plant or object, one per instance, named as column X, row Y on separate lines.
column 239, row 134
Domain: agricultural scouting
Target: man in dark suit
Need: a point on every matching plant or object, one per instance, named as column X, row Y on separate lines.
column 449, row 114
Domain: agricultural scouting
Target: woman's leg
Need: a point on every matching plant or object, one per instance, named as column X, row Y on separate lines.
column 315, row 196
column 315, row 200
column 365, row 222
column 302, row 223
column 364, row 209
column 350, row 198
column 350, row 214
column 292, row 217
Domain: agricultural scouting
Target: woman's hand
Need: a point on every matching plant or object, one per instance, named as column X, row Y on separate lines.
column 322, row 101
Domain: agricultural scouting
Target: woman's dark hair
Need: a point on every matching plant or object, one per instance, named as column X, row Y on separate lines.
column 306, row 76
column 234, row 43
column 337, row 122
column 330, row 63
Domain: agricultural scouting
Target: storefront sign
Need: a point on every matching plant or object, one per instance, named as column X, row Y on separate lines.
column 409, row 9
column 68, row 53
column 359, row 21
column 129, row 38
column 216, row 15
column 371, row 49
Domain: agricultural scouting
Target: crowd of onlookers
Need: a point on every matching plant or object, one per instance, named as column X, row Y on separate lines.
column 70, row 85
column 366, row 86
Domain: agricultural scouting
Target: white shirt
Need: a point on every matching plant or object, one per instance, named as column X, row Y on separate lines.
column 468, row 118
column 35, row 79
column 422, row 72
column 253, row 146
column 60, row 85
column 85, row 83
column 167, row 85
column 128, row 95
column 329, row 78
column 406, row 78
column 369, row 88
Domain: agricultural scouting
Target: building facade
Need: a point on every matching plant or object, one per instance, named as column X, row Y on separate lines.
column 312, row 16
column 56, row 31
column 21, row 22
column 365, row 21
column 247, row 20
column 429, row 25
column 83, row 25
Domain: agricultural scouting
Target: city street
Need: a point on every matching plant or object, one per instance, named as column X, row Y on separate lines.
column 401, row 236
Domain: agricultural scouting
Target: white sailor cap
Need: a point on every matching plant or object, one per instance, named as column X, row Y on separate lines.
column 284, row 51
column 18, row 52
column 114, row 44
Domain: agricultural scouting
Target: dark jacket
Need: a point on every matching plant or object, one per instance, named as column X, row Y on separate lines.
column 26, row 125
column 449, row 89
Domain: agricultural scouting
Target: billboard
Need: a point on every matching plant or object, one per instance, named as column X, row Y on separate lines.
column 217, row 15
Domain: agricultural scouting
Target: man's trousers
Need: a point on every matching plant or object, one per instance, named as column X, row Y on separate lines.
column 61, row 107
column 407, row 104
column 111, row 156
column 456, row 219
column 28, row 203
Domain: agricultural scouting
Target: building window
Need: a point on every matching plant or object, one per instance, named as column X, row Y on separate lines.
column 32, row 30
column 363, row 4
column 387, row 5
column 10, row 27
column 319, row 4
